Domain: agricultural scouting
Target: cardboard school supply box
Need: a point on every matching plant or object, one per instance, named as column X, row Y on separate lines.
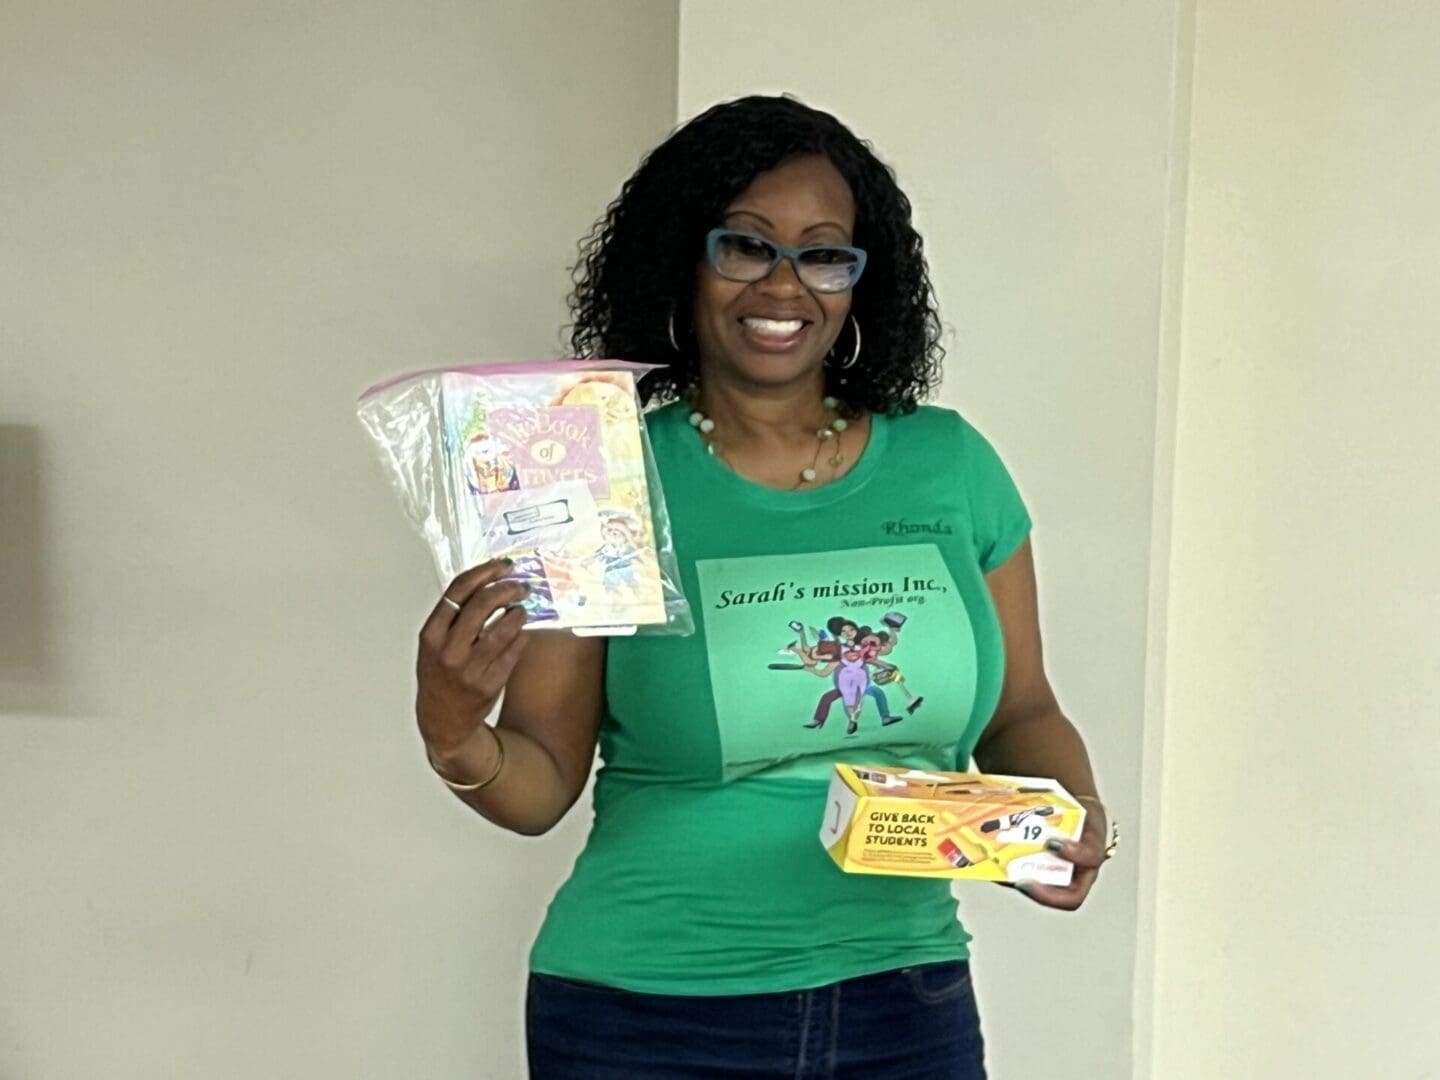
column 881, row 819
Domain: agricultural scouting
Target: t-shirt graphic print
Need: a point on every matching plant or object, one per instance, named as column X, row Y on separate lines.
column 864, row 654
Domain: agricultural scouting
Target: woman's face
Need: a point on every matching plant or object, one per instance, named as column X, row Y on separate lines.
column 774, row 331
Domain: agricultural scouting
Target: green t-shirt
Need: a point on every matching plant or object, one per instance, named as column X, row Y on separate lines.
column 704, row 873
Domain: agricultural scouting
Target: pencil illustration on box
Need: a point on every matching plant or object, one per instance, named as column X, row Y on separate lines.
column 548, row 469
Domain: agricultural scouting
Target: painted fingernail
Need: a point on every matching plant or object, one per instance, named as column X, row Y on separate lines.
column 1056, row 846
column 1027, row 887
column 507, row 561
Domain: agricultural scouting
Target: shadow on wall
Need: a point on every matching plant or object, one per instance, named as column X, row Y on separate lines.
column 30, row 681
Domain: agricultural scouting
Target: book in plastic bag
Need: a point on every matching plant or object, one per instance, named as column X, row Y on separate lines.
column 547, row 464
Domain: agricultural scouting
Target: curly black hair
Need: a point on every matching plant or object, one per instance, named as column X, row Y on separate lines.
column 637, row 266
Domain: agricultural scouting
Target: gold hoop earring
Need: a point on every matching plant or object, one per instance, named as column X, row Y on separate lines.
column 848, row 364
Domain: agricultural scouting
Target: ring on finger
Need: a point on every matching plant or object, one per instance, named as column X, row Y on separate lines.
column 451, row 603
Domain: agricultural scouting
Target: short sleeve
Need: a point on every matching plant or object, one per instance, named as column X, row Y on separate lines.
column 997, row 512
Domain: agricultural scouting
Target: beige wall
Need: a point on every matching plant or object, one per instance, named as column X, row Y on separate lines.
column 220, row 852
column 1296, row 935
column 1033, row 141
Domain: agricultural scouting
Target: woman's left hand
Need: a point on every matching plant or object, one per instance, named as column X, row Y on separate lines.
column 1088, row 855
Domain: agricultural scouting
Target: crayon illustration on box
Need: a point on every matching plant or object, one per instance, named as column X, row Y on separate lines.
column 549, row 471
column 887, row 820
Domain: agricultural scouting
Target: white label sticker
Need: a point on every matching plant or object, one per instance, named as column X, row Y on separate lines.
column 1042, row 867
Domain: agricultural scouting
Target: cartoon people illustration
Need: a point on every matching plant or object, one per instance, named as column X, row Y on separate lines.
column 876, row 644
column 852, row 681
column 829, row 659
column 885, row 673
column 488, row 466
column 851, row 655
column 622, row 550
column 846, row 656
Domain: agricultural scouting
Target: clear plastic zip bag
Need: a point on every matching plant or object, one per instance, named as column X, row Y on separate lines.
column 548, row 464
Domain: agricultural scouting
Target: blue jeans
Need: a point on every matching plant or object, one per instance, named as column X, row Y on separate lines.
column 916, row 1023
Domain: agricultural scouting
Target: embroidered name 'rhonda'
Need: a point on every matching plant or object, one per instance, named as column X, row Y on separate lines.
column 910, row 528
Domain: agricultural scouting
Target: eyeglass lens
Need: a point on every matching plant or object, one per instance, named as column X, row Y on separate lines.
column 748, row 258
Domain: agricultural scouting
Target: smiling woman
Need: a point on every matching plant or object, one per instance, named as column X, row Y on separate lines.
column 704, row 929
column 767, row 325
column 640, row 280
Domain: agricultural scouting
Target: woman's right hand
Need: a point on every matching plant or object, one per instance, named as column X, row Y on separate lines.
column 463, row 663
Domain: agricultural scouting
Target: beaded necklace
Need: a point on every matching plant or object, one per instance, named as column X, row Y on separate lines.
column 829, row 435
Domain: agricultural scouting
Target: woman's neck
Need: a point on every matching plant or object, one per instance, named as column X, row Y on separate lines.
column 765, row 415
column 782, row 437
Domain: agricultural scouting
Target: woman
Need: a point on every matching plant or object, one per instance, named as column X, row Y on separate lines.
column 767, row 260
column 853, row 680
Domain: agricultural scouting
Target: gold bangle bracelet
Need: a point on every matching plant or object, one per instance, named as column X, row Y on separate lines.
column 455, row 785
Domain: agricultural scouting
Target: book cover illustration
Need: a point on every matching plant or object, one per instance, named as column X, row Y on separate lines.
column 549, row 470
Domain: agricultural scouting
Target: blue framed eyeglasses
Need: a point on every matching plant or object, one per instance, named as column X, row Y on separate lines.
column 745, row 257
